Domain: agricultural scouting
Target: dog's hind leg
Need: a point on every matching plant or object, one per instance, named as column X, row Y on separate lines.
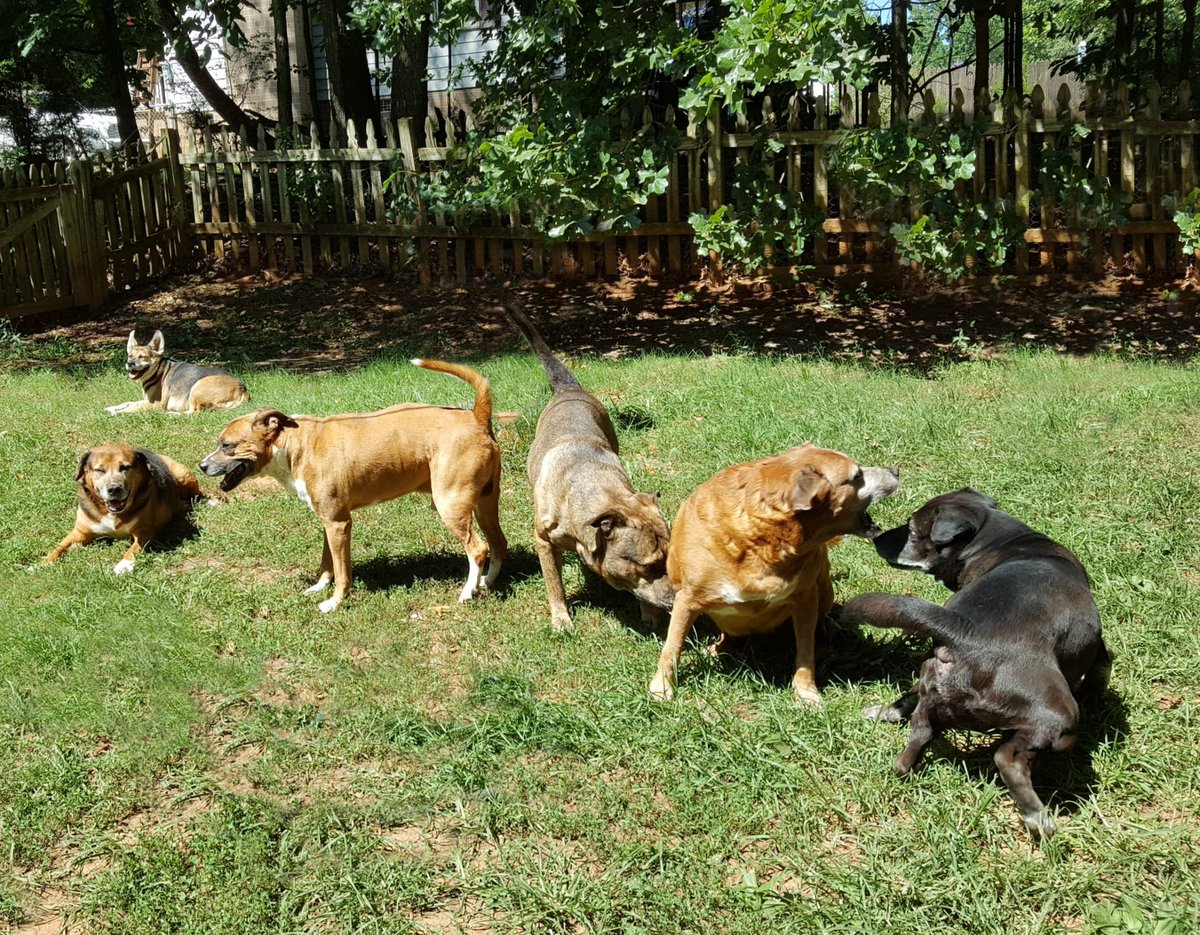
column 923, row 731
column 1095, row 680
column 1013, row 758
column 487, row 514
column 456, row 516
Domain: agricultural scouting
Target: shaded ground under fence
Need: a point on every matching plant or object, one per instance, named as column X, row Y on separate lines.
column 74, row 235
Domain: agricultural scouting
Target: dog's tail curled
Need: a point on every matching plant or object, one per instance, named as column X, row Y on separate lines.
column 483, row 389
column 561, row 379
column 908, row 613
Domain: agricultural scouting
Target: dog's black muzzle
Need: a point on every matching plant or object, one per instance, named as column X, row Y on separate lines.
column 890, row 544
column 232, row 471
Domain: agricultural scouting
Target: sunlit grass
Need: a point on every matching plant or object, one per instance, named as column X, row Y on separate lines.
column 194, row 748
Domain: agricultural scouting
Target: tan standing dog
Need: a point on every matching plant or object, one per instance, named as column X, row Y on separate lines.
column 173, row 385
column 126, row 493
column 750, row 549
column 338, row 464
column 582, row 499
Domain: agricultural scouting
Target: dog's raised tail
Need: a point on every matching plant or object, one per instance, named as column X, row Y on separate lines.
column 483, row 389
column 561, row 379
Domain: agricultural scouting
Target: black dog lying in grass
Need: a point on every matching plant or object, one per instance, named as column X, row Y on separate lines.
column 1014, row 647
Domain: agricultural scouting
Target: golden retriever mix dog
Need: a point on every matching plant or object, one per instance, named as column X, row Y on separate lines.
column 750, row 548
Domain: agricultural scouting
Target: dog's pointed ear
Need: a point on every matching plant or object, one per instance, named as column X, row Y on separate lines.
column 83, row 464
column 951, row 524
column 132, row 342
column 158, row 343
column 807, row 487
column 272, row 421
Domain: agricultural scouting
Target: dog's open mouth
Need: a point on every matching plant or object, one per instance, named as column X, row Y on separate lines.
column 135, row 373
column 235, row 475
column 115, row 504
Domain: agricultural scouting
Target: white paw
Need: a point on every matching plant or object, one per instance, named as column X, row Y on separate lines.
column 113, row 410
column 329, row 604
column 123, row 567
column 466, row 594
column 213, row 501
column 661, row 689
column 809, row 696
column 321, row 585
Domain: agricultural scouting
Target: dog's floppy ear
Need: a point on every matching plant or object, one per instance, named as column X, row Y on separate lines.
column 601, row 527
column 807, row 486
column 272, row 421
column 983, row 498
column 950, row 524
column 132, row 342
column 83, row 464
column 650, row 499
column 158, row 343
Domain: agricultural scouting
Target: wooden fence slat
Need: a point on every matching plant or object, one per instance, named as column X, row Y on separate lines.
column 245, row 171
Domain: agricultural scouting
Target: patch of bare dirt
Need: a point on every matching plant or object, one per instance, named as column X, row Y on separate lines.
column 320, row 324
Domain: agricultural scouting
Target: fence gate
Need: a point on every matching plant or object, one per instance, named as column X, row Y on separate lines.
column 46, row 257
column 72, row 234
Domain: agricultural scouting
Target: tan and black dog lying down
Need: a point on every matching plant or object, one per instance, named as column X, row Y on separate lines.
column 126, row 493
column 337, row 464
column 750, row 549
column 173, row 385
column 582, row 499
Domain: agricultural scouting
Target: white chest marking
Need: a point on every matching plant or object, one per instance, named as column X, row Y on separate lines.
column 107, row 525
column 278, row 468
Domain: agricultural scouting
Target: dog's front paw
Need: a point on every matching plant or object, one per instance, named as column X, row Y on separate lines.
column 329, row 604
column 807, row 696
column 113, row 410
column 887, row 713
column 123, row 567
column 1041, row 825
column 322, row 583
column 661, row 689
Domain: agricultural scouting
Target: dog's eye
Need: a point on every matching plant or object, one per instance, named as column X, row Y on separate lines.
column 124, row 467
column 857, row 477
column 227, row 447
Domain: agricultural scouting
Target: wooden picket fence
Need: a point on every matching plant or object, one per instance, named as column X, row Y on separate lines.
column 72, row 235
column 75, row 235
column 333, row 207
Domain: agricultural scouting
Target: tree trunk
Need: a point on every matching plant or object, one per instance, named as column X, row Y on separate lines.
column 167, row 17
column 351, row 96
column 983, row 48
column 900, row 63
column 283, row 65
column 1188, row 40
column 112, row 66
column 410, row 88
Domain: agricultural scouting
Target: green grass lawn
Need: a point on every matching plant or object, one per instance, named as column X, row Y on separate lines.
column 195, row 748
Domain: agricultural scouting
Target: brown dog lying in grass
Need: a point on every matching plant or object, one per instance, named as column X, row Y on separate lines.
column 124, row 492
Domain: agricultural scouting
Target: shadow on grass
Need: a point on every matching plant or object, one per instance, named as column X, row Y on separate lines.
column 404, row 571
column 325, row 324
column 1065, row 780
